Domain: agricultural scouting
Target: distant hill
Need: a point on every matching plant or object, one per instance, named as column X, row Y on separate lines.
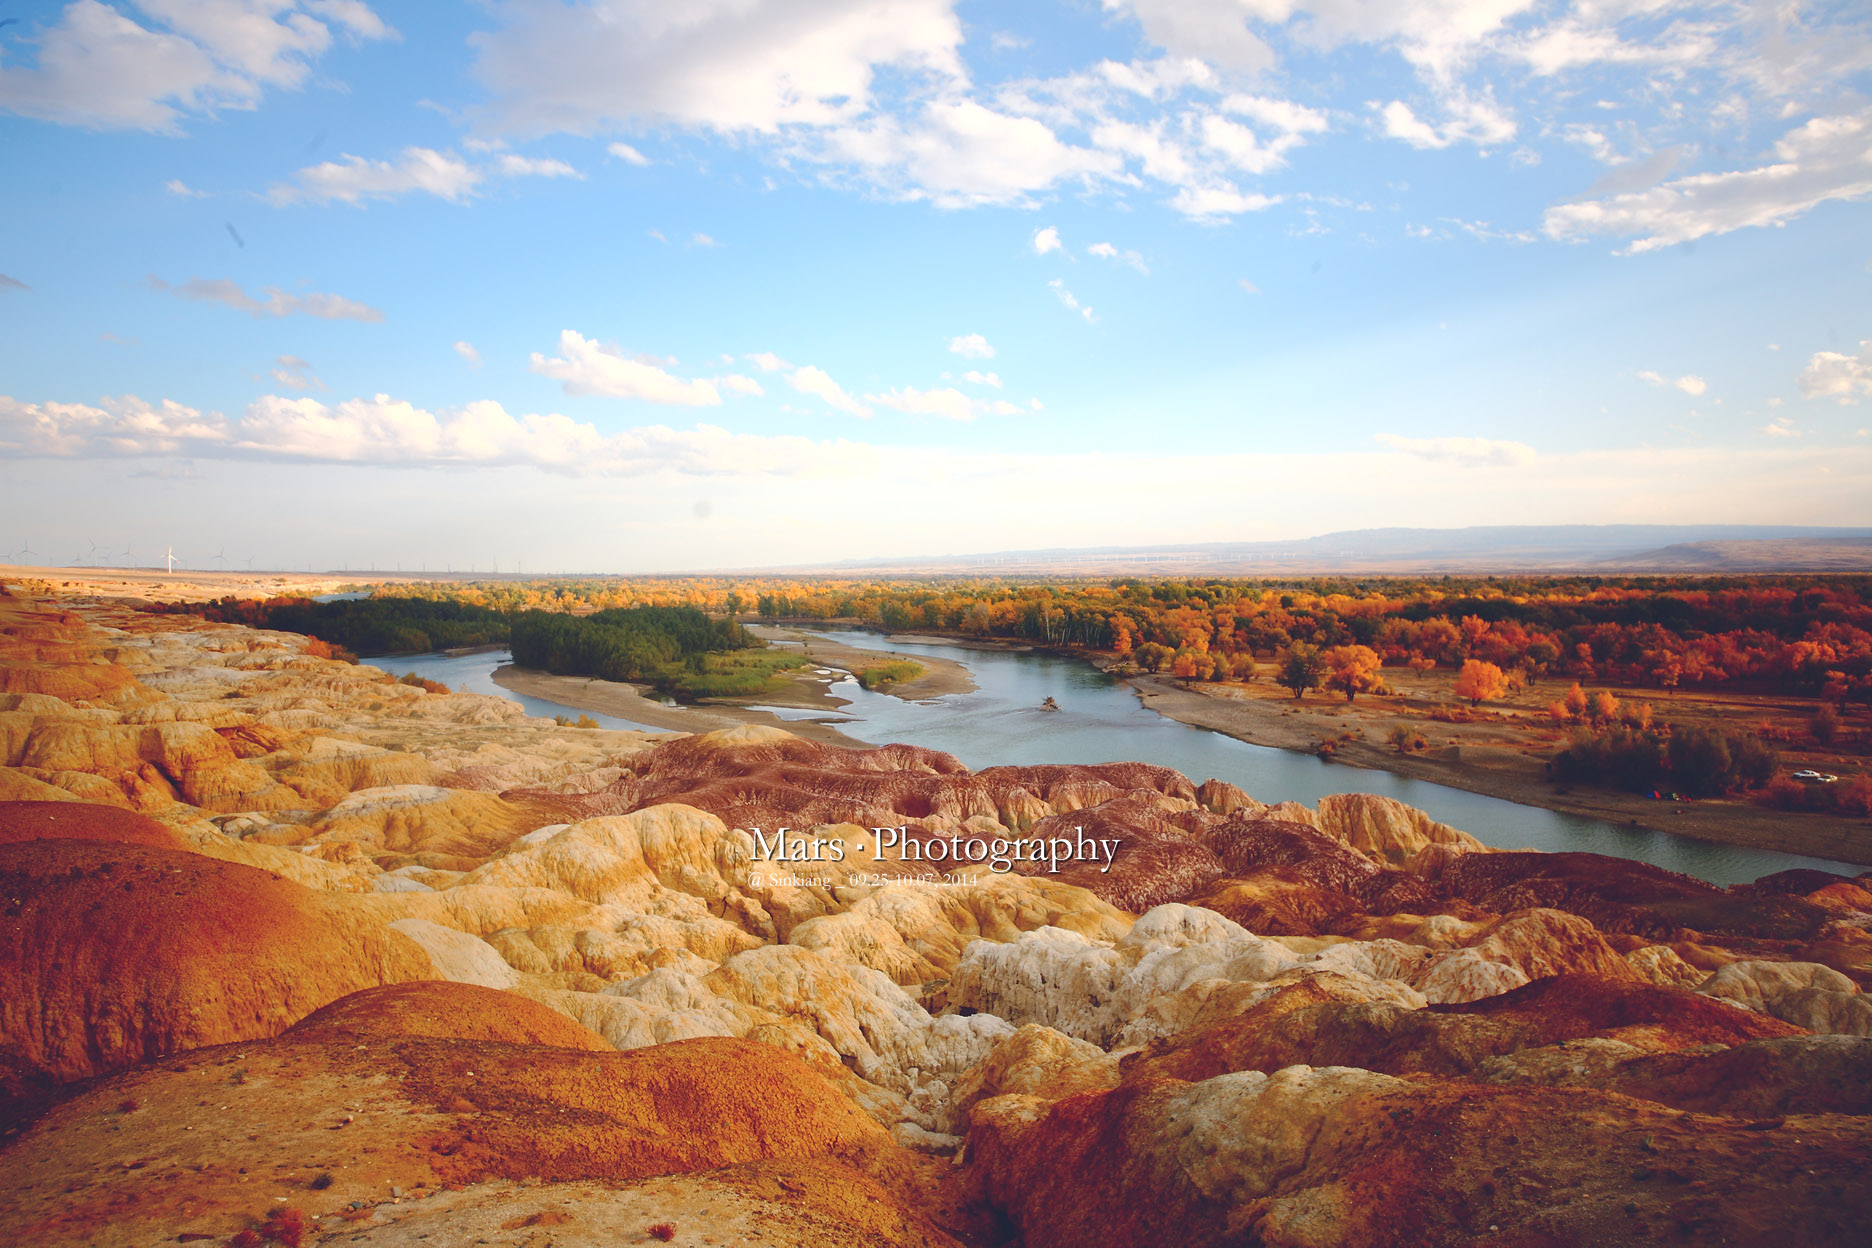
column 1489, row 548
column 1787, row 554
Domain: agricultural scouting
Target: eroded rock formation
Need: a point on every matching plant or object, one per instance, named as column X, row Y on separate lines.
column 282, row 927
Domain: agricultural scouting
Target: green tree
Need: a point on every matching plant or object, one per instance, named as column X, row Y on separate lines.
column 1301, row 668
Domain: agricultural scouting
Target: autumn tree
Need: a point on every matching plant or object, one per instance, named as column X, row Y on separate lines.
column 1352, row 669
column 1480, row 682
column 1151, row 656
column 1301, row 668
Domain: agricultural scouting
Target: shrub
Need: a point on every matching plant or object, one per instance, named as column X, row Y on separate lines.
column 321, row 649
column 433, row 686
column 1705, row 762
column 1824, row 725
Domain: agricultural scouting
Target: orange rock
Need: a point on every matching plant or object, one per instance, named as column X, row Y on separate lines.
column 204, row 1144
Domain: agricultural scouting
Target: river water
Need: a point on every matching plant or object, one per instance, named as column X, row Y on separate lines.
column 1101, row 720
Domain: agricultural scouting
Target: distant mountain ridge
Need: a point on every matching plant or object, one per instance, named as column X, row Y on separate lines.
column 1606, row 548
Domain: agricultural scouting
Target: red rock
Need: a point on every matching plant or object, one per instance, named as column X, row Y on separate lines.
column 83, row 821
column 440, row 1009
column 1311, row 1157
column 114, row 954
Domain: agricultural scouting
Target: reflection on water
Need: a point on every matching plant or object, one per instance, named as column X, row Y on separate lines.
column 1102, row 721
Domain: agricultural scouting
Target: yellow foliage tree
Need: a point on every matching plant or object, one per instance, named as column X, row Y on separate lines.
column 1352, row 669
column 1480, row 682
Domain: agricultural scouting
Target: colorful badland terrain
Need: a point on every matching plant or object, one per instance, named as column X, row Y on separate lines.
column 293, row 952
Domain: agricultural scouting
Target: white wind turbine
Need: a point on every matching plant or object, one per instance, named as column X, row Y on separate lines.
column 171, row 558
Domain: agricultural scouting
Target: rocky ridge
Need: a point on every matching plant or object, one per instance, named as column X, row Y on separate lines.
column 283, row 933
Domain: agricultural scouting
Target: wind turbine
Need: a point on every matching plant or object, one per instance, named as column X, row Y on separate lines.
column 220, row 557
column 171, row 558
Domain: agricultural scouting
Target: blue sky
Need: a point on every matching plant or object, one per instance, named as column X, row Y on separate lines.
column 636, row 286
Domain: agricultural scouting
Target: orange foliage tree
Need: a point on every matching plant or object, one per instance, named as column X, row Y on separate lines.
column 1480, row 682
column 1352, row 669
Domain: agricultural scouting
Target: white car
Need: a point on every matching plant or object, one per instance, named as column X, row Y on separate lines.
column 1815, row 777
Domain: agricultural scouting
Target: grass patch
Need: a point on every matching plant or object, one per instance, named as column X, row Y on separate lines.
column 891, row 672
column 730, row 674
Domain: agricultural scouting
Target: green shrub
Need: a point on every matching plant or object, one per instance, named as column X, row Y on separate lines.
column 1704, row 762
column 890, row 672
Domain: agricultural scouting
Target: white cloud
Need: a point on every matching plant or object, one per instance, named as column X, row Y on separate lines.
column 588, row 367
column 947, row 403
column 99, row 68
column 467, row 352
column 1470, row 119
column 1211, row 30
column 352, row 179
column 1781, row 427
column 536, row 167
column 1214, row 203
column 277, row 302
column 973, row 377
column 1247, row 286
column 182, row 190
column 973, row 346
column 815, row 381
column 1046, row 240
column 1066, row 297
column 1049, row 497
column 1105, row 251
column 1833, row 375
column 1471, row 452
column 740, row 384
column 1275, row 113
column 393, row 432
column 699, row 239
column 1690, row 383
column 874, row 93
column 295, row 373
column 120, row 426
column 730, row 66
column 767, row 361
column 1823, row 159
column 960, row 153
column 628, row 154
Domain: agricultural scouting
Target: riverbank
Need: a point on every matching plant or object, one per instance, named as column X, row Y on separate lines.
column 609, row 697
column 1464, row 758
column 940, row 677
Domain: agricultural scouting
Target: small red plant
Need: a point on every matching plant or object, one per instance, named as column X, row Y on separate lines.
column 664, row 1231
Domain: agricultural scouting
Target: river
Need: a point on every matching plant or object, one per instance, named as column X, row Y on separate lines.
column 1100, row 720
